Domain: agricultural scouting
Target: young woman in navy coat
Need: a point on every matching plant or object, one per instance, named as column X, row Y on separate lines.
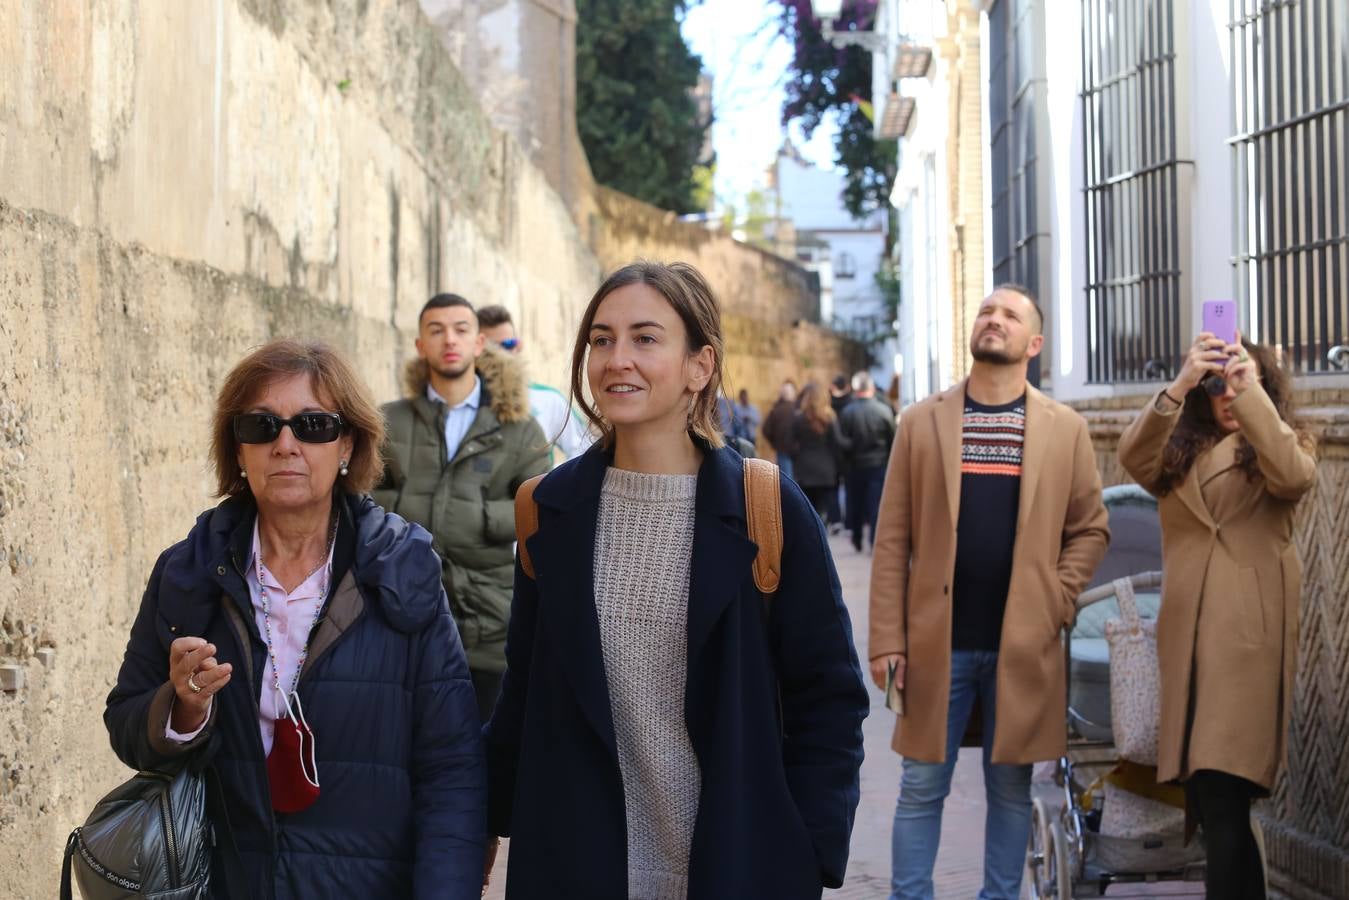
column 661, row 731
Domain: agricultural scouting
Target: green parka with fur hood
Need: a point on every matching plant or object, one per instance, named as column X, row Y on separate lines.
column 467, row 503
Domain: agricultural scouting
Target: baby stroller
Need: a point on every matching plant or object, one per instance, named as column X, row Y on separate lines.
column 1079, row 844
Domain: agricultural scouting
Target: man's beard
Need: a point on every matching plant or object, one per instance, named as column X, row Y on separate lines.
column 1002, row 357
column 451, row 372
column 995, row 357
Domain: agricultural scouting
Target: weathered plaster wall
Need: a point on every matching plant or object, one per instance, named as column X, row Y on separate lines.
column 770, row 304
column 178, row 183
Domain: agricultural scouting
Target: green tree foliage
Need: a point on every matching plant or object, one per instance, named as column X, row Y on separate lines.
column 635, row 111
column 825, row 80
column 704, row 186
column 751, row 222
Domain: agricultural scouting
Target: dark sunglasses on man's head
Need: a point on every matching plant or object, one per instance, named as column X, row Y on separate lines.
column 312, row 428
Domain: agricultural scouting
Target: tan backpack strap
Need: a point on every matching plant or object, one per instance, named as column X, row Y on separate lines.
column 763, row 515
column 526, row 521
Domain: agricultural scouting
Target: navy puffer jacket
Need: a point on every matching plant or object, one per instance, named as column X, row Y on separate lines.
column 386, row 690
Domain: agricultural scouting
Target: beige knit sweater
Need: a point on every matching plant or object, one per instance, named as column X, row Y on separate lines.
column 642, row 553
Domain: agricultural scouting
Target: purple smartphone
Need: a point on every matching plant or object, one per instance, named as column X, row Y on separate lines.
column 1220, row 319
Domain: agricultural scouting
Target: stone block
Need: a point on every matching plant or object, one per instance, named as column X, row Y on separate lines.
column 11, row 678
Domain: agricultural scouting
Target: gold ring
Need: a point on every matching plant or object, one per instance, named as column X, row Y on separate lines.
column 192, row 683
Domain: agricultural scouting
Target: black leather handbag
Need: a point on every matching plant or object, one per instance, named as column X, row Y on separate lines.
column 150, row 837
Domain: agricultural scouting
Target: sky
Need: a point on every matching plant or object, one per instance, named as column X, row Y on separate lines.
column 739, row 43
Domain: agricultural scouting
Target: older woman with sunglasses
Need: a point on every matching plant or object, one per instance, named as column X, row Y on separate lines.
column 298, row 646
column 1221, row 450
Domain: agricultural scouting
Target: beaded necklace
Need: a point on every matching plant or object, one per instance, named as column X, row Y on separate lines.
column 267, row 616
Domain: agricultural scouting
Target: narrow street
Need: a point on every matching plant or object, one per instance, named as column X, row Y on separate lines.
column 960, row 861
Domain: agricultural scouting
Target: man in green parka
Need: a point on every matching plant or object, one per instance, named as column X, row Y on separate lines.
column 459, row 445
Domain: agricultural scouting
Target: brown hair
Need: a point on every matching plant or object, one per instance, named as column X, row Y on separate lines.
column 1029, row 295
column 814, row 405
column 441, row 301
column 333, row 381
column 1197, row 430
column 688, row 292
column 494, row 315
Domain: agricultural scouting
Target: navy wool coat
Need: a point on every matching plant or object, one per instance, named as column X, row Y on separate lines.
column 401, row 811
column 779, row 782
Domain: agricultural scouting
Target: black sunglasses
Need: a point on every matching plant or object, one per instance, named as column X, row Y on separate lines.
column 1215, row 385
column 312, row 428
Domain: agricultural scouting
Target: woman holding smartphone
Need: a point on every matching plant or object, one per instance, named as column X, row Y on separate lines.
column 662, row 732
column 1219, row 449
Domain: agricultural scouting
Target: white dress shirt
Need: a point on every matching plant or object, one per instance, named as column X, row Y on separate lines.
column 460, row 418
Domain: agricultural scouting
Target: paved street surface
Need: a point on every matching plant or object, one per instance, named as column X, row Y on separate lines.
column 959, row 872
column 960, row 861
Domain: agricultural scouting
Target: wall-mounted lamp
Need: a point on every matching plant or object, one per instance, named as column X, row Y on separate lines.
column 828, row 11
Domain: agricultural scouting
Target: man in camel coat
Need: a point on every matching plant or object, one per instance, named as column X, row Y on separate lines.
column 991, row 523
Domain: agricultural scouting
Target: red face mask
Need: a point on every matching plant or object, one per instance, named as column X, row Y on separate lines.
column 292, row 769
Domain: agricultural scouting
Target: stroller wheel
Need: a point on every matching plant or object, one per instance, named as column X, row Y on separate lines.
column 1040, row 857
column 1062, row 864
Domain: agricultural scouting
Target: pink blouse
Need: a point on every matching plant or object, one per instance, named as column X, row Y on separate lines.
column 292, row 617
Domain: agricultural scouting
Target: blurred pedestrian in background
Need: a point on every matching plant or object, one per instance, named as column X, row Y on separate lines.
column 820, row 445
column 560, row 423
column 748, row 418
column 777, row 427
column 868, row 424
column 840, row 395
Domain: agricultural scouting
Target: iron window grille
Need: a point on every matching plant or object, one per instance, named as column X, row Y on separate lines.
column 1018, row 112
column 1290, row 228
column 1136, row 192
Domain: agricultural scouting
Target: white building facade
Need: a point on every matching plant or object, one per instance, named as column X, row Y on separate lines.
column 932, row 108
column 926, row 304
column 846, row 252
column 1178, row 152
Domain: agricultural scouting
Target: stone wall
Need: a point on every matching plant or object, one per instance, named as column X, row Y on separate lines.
column 771, row 305
column 178, row 183
column 519, row 57
column 1306, row 822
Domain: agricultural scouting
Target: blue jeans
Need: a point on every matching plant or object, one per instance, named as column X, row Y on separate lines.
column 864, row 501
column 924, row 787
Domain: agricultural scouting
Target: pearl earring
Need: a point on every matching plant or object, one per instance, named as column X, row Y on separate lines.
column 243, row 473
column 342, row 467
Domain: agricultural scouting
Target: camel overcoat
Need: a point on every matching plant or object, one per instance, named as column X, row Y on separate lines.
column 1228, row 629
column 1062, row 534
